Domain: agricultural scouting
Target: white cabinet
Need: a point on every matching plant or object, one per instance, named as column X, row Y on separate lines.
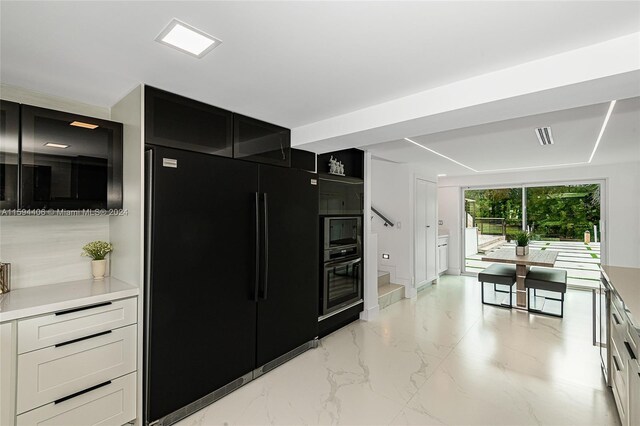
column 625, row 371
column 55, row 372
column 443, row 254
column 425, row 233
column 7, row 372
column 75, row 366
column 112, row 403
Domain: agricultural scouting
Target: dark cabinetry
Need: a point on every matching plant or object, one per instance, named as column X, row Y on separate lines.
column 9, row 154
column 69, row 161
column 341, row 195
column 262, row 142
column 174, row 121
column 178, row 122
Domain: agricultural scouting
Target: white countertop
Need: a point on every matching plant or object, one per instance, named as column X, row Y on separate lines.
column 626, row 283
column 26, row 302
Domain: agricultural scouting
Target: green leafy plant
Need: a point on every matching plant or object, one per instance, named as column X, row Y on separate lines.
column 522, row 238
column 97, row 250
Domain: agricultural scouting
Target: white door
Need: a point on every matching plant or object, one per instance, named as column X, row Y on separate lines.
column 432, row 232
column 425, row 255
column 420, row 248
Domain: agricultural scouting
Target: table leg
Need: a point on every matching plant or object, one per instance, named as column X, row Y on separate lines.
column 521, row 291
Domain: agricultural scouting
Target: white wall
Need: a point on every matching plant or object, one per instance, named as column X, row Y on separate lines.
column 46, row 250
column 622, row 205
column 392, row 193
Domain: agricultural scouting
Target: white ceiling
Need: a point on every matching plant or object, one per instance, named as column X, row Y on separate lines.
column 512, row 144
column 291, row 63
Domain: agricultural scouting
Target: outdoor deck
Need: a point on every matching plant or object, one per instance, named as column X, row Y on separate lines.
column 580, row 260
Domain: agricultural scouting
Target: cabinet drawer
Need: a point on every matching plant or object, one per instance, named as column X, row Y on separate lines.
column 619, row 378
column 111, row 404
column 618, row 321
column 59, row 327
column 55, row 372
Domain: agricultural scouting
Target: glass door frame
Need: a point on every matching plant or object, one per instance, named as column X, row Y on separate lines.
column 603, row 182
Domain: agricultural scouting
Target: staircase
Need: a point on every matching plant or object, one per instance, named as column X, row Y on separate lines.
column 388, row 293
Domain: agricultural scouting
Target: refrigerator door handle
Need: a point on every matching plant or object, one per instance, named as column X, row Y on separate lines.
column 265, row 278
column 257, row 270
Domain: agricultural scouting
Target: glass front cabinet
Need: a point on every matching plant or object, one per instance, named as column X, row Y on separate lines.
column 69, row 161
column 9, row 154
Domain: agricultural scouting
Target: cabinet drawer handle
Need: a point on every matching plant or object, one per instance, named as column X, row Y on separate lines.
column 97, row 305
column 79, row 339
column 615, row 318
column 631, row 354
column 615, row 361
column 73, row 395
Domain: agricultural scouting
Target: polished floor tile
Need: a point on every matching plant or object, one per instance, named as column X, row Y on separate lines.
column 440, row 359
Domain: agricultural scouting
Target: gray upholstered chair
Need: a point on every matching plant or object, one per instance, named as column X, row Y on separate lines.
column 498, row 274
column 548, row 279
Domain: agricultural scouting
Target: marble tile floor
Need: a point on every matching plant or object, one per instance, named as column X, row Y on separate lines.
column 440, row 359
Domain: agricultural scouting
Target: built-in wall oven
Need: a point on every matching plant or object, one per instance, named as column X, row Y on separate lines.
column 342, row 284
column 342, row 263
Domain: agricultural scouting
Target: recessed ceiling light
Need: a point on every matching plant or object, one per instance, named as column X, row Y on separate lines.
column 187, row 39
column 442, row 175
column 604, row 126
column 56, row 145
column 441, row 155
column 84, row 125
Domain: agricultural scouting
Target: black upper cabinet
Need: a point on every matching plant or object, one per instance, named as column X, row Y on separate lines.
column 69, row 161
column 261, row 142
column 178, row 122
column 9, row 154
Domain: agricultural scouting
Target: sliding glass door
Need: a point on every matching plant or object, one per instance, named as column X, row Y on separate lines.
column 563, row 218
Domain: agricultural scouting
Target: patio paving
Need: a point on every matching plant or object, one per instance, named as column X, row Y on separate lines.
column 580, row 260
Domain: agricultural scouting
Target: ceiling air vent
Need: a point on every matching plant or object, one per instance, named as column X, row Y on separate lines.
column 544, row 135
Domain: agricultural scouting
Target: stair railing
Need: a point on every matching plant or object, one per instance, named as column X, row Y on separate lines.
column 387, row 222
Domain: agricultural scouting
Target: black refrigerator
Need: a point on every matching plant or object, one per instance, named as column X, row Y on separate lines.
column 231, row 275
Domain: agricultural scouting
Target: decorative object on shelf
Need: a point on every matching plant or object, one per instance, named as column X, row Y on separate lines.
column 98, row 250
column 5, row 278
column 522, row 243
column 336, row 167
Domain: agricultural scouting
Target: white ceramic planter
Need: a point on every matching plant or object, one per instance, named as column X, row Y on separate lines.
column 522, row 251
column 98, row 268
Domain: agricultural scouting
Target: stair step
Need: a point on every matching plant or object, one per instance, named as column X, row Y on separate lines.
column 389, row 294
column 384, row 278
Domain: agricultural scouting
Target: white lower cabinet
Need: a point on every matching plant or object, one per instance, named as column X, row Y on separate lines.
column 113, row 403
column 55, row 372
column 443, row 254
column 71, row 367
column 634, row 392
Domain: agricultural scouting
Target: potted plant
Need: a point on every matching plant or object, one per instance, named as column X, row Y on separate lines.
column 522, row 243
column 97, row 250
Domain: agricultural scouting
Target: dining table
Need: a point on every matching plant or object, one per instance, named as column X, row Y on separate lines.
column 538, row 257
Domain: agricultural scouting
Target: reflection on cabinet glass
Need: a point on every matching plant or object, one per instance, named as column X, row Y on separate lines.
column 70, row 161
column 262, row 142
column 178, row 122
column 341, row 195
column 9, row 154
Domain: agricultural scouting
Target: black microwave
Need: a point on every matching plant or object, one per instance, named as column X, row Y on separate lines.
column 341, row 232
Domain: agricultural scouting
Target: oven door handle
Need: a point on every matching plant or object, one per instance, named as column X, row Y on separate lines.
column 341, row 263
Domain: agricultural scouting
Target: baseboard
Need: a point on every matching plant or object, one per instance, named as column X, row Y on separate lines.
column 410, row 292
column 423, row 286
column 452, row 271
column 370, row 314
